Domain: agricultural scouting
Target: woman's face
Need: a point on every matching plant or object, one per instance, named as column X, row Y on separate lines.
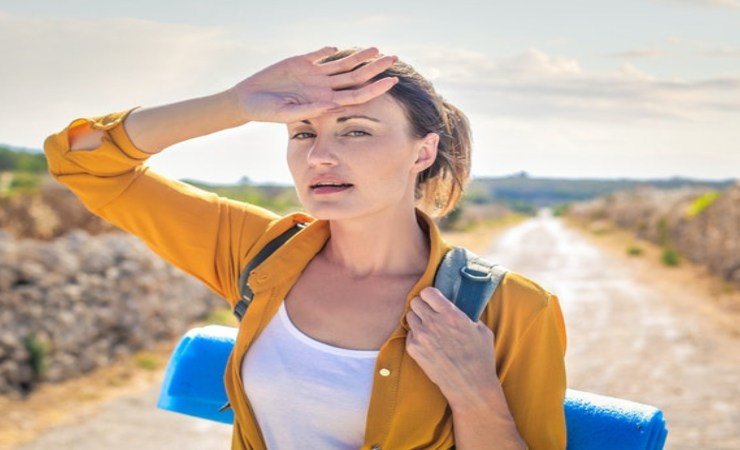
column 377, row 155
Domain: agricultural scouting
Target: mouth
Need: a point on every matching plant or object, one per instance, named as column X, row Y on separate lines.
column 330, row 189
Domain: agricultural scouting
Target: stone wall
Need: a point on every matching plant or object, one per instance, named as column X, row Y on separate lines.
column 77, row 302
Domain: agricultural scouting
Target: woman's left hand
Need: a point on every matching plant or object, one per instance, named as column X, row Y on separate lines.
column 455, row 352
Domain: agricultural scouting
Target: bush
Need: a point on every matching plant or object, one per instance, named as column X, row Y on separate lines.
column 453, row 219
column 561, row 209
column 38, row 350
column 702, row 202
column 670, row 257
column 634, row 250
column 148, row 361
column 222, row 316
column 662, row 231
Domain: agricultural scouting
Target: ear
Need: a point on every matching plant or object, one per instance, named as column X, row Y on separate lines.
column 426, row 151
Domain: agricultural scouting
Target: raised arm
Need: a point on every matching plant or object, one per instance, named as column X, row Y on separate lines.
column 197, row 231
column 102, row 160
column 156, row 128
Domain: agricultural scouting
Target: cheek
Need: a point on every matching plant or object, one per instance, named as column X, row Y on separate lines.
column 388, row 168
column 290, row 159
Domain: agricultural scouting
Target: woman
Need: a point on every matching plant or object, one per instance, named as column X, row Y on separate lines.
column 345, row 343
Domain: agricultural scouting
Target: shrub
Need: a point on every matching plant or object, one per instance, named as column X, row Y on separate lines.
column 702, row 202
column 221, row 316
column 147, row 360
column 38, row 350
column 634, row 250
column 662, row 231
column 561, row 209
column 670, row 257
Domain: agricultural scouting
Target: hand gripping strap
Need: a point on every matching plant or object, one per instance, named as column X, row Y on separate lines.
column 246, row 292
column 468, row 280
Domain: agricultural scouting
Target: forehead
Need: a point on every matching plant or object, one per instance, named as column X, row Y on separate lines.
column 383, row 107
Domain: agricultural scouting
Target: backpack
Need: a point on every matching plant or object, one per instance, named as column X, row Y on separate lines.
column 463, row 277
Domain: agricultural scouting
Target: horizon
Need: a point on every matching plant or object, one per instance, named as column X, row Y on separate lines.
column 544, row 93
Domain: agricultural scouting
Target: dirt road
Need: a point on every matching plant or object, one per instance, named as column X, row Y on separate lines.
column 632, row 333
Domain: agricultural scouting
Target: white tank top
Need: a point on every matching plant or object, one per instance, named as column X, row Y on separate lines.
column 304, row 392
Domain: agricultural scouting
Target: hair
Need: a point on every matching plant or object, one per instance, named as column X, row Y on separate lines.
column 440, row 186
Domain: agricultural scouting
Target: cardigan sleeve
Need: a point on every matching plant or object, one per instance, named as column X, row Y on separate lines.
column 197, row 231
column 536, row 382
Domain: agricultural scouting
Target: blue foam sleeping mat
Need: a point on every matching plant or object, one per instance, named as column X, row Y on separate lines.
column 193, row 385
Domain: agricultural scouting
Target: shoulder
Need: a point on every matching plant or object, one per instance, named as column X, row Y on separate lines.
column 515, row 303
column 278, row 224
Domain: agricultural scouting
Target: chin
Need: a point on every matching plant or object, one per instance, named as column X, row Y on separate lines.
column 328, row 211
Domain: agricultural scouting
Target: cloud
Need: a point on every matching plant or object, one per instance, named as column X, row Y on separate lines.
column 706, row 48
column 69, row 67
column 536, row 84
column 729, row 4
column 639, row 53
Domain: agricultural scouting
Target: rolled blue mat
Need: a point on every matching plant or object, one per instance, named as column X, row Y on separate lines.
column 193, row 384
column 600, row 422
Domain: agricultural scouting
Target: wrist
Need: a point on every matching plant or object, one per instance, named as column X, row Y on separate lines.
column 234, row 106
column 478, row 399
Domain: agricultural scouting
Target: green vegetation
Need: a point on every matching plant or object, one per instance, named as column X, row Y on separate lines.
column 634, row 250
column 663, row 232
column 560, row 209
column 278, row 198
column 20, row 171
column 452, row 221
column 702, row 202
column 12, row 160
column 221, row 316
column 23, row 170
column 670, row 257
column 148, row 360
column 38, row 350
column 551, row 191
column 23, row 182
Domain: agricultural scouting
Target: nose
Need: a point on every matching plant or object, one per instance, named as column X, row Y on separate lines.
column 321, row 154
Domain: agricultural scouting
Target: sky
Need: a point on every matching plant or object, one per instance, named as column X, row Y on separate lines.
column 576, row 89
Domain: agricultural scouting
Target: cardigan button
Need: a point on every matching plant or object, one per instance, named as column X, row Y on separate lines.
column 375, row 447
column 385, row 372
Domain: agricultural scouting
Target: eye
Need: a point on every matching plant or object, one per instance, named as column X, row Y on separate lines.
column 298, row 134
column 295, row 136
column 360, row 131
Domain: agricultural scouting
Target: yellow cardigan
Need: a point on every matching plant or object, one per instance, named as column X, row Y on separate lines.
column 212, row 237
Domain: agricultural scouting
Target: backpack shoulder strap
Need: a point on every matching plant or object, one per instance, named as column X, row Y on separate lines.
column 468, row 280
column 464, row 277
column 246, row 292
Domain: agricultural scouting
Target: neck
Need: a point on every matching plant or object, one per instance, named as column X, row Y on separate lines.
column 386, row 243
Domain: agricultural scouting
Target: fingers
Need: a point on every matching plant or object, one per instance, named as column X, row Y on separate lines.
column 348, row 62
column 421, row 308
column 434, row 298
column 365, row 93
column 362, row 74
column 320, row 53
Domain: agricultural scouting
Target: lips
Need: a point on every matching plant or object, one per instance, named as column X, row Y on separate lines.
column 329, row 179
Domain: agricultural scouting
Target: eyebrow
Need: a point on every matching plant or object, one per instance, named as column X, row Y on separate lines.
column 346, row 118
